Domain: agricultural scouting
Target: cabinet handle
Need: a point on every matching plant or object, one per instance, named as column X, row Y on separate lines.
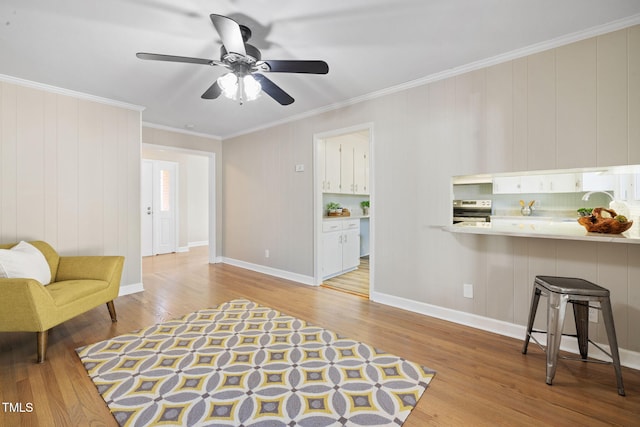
column 345, row 239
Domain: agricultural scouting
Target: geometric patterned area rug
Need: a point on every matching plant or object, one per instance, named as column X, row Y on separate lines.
column 242, row 364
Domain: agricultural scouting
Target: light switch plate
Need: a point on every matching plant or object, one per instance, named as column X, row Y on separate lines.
column 467, row 290
column 300, row 168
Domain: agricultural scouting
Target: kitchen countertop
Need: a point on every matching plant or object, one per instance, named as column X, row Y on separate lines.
column 331, row 218
column 543, row 227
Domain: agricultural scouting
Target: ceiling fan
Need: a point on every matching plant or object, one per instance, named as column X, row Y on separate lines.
column 244, row 81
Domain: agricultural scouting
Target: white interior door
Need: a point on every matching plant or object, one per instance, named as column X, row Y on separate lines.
column 146, row 208
column 159, row 208
column 165, row 176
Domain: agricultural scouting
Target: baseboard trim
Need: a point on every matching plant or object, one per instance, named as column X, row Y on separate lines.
column 628, row 358
column 131, row 289
column 283, row 274
column 197, row 244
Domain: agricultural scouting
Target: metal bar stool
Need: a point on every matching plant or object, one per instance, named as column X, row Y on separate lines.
column 579, row 292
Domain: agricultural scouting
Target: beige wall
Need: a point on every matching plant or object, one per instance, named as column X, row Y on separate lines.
column 70, row 174
column 189, row 142
column 573, row 106
column 198, row 199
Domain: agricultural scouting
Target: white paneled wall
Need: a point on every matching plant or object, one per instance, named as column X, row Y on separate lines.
column 70, row 174
column 573, row 106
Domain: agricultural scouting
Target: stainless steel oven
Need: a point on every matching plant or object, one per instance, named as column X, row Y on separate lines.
column 471, row 211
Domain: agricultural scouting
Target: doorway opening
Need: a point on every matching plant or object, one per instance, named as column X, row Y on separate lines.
column 195, row 198
column 343, row 195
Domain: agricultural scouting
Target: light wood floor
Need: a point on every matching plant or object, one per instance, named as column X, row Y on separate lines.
column 354, row 282
column 482, row 378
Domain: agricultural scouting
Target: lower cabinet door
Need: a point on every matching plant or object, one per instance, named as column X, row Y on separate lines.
column 331, row 253
column 350, row 249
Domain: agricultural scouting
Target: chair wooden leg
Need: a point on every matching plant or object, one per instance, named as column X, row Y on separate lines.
column 42, row 345
column 112, row 311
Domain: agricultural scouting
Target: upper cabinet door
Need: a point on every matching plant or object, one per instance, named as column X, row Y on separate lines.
column 347, row 185
column 332, row 166
column 562, row 183
column 361, row 167
column 346, row 164
column 506, row 185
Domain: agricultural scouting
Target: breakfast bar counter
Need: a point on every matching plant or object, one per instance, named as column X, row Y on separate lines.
column 541, row 227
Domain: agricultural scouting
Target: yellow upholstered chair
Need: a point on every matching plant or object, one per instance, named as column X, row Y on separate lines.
column 78, row 284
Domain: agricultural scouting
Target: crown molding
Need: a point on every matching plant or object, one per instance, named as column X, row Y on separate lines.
column 68, row 92
column 473, row 66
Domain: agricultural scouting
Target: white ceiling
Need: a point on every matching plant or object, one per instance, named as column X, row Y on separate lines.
column 89, row 46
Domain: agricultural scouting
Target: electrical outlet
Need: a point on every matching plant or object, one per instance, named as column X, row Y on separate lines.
column 593, row 315
column 467, row 290
column 266, row 253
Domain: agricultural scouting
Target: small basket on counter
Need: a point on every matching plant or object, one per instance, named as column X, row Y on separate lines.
column 340, row 212
column 605, row 221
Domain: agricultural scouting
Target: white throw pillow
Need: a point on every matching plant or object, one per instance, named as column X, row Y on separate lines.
column 24, row 261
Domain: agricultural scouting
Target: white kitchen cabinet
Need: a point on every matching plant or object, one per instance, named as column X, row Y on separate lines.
column 361, row 168
column 331, row 254
column 350, row 249
column 595, row 181
column 506, row 185
column 344, row 165
column 626, row 187
column 561, row 183
column 525, row 184
column 329, row 154
column 347, row 167
column 354, row 167
column 340, row 246
column 532, row 184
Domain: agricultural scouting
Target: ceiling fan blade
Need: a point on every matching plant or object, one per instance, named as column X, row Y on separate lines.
column 230, row 34
column 273, row 90
column 213, row 92
column 172, row 58
column 311, row 67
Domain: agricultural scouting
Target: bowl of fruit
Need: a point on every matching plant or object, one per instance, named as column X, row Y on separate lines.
column 605, row 221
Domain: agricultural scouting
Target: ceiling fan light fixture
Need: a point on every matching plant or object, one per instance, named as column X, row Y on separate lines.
column 245, row 88
column 252, row 87
column 229, row 85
